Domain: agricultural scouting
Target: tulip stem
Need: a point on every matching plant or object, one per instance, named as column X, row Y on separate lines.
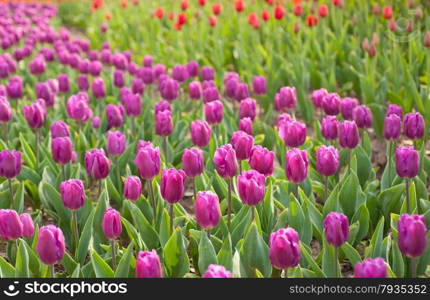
column 285, row 273
column 209, row 234
column 154, row 205
column 171, row 212
column 118, row 175
column 253, row 213
column 63, row 171
column 6, row 132
column 230, row 187
column 37, row 147
column 52, row 271
column 408, row 208
column 390, row 150
column 240, row 166
column 112, row 245
column 325, row 188
column 413, row 267
column 336, row 262
column 75, row 228
column 165, row 149
column 99, row 189
column 9, row 181
column 349, row 160
column 194, row 189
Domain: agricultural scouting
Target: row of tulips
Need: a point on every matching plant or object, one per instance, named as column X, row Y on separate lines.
column 256, row 204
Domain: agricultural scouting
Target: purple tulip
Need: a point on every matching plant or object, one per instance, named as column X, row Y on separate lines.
column 95, row 68
column 392, row 127
column 414, row 125
column 349, row 136
column 248, row 108
column 95, row 122
column 216, row 271
column 394, row 109
column 225, row 161
column 98, row 87
column 62, row 148
column 195, row 90
column 83, row 83
column 172, row 185
column 242, row 143
column 336, row 229
column 285, row 99
column 371, row 268
column 59, row 129
column 147, row 75
column 148, row 265
column 114, row 115
column 97, row 164
column 14, row 87
column 200, row 133
column 284, row 248
column 317, row 97
column 27, row 225
column 147, row 61
column 133, row 105
column 283, row 118
column 118, row 78
column 296, row 165
column 259, row 85
column 163, row 123
column 37, row 66
column 10, row 225
column 180, row 73
column 10, row 163
column 162, row 106
column 169, row 89
column 407, row 162
column 111, row 224
column 132, row 188
column 50, row 245
column 245, row 125
column 207, row 210
column 193, row 68
column 347, row 106
column 214, row 112
column 35, row 114
column 331, row 104
column 412, row 235
column 5, row 110
column 262, row 160
column 193, row 162
column 251, row 186
column 137, row 86
column 72, row 194
column 147, row 161
column 293, row 133
column 362, row 116
column 116, row 142
column 210, row 94
column 208, row 73
column 78, row 107
column 329, row 127
column 328, row 160
column 241, row 91
column 230, row 87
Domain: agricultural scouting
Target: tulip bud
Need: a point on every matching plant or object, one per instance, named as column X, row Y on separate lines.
column 293, row 133
column 148, row 265
column 115, row 143
column 207, row 209
column 94, row 68
column 286, row 98
column 132, row 188
column 27, row 225
column 137, row 86
column 193, row 68
column 245, row 125
column 180, row 73
column 347, row 106
column 296, row 165
column 59, row 129
column 407, row 162
column 248, row 108
column 331, row 104
column 195, row 90
column 10, row 163
column 111, row 224
column 259, row 85
column 148, row 161
column 35, row 114
column 230, row 86
column 5, row 110
column 10, row 225
column 412, row 235
column 349, row 136
column 216, row 271
column 214, row 112
column 163, row 123
column 251, row 186
column 200, row 133
column 132, row 104
column 329, row 127
column 193, row 162
column 83, row 83
column 147, row 75
column 208, row 73
column 394, row 109
column 14, row 87
column 242, row 143
column 284, row 248
column 336, row 229
column 387, row 12
column 328, row 160
column 371, row 268
column 50, row 245
column 72, row 193
column 172, row 185
column 414, row 125
column 225, row 161
column 169, row 89
column 210, row 94
column 61, row 149
column 362, row 116
column 392, row 127
column 78, row 107
column 96, row 122
column 427, row 39
column 118, row 78
column 261, row 160
column 162, row 106
column 317, row 97
column 97, row 164
column 241, row 91
column 98, row 87
column 37, row 66
column 283, row 118
column 114, row 115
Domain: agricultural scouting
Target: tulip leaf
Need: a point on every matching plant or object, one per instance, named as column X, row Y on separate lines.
column 330, row 267
column 352, row 254
column 85, row 239
column 101, row 268
column 77, row 272
column 123, row 268
column 6, row 269
column 22, row 261
column 207, row 255
column 225, row 255
column 164, row 232
column 375, row 247
column 312, row 263
column 18, row 199
column 175, row 256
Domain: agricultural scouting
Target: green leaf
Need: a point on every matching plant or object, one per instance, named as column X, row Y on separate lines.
column 351, row 253
column 376, row 241
column 101, row 268
column 85, row 239
column 175, row 255
column 147, row 232
column 6, row 269
column 22, row 262
column 123, row 268
column 312, row 263
column 207, row 255
column 76, row 273
column 328, row 261
column 225, row 255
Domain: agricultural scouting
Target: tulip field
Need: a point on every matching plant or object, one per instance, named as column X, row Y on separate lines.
column 215, row 139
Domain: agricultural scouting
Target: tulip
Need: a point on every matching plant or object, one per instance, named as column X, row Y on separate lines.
column 216, row 271
column 336, row 229
column 252, row 187
column 210, row 94
column 259, row 85
column 347, row 106
column 293, row 133
column 412, row 235
column 83, row 83
column 37, row 66
column 394, row 109
column 62, row 148
column 241, row 91
column 59, row 129
column 72, row 193
column 35, row 114
column 317, row 97
column 147, row 75
column 362, row 116
column 230, row 86
column 161, row 106
column 132, row 188
column 262, row 160
column 248, row 108
column 193, row 68
column 327, row 163
column 98, row 87
column 242, row 143
column 95, row 122
column 115, row 143
column 118, row 78
column 172, row 188
column 148, row 265
column 114, row 115
column 407, row 166
column 283, row 118
column 97, row 164
column 5, row 110
column 14, row 87
column 169, row 89
column 296, row 165
column 148, row 161
column 112, row 228
column 95, row 68
column 214, row 112
column 193, row 162
column 180, row 73
column 10, row 167
column 245, row 125
column 200, row 133
column 329, row 127
column 78, row 107
column 27, row 225
column 225, row 161
column 195, row 90
column 371, row 268
column 348, row 134
column 285, row 99
column 207, row 210
column 208, row 73
column 331, row 104
column 392, row 127
column 137, row 86
column 163, row 123
column 414, row 125
column 51, row 245
column 133, row 106
column 284, row 248
column 11, row 226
